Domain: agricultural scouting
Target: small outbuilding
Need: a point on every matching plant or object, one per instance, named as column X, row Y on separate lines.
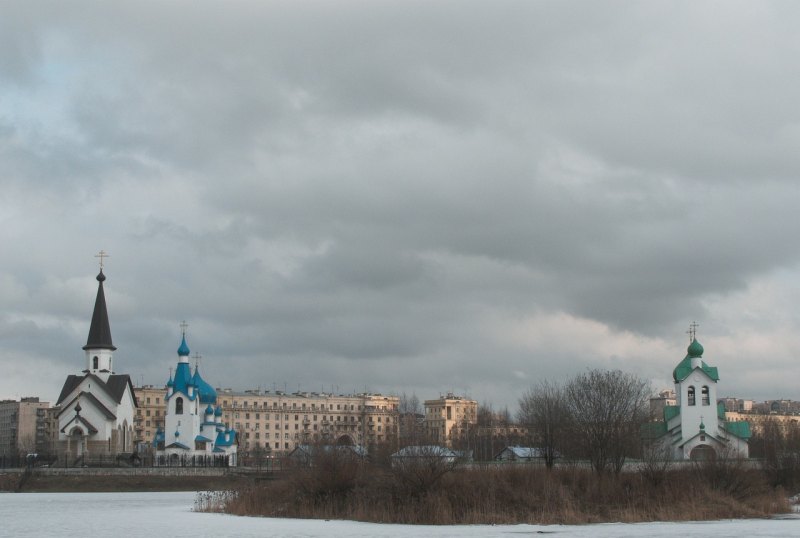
column 411, row 455
column 305, row 454
column 520, row 453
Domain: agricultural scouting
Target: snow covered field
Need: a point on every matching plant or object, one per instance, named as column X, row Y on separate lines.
column 149, row 515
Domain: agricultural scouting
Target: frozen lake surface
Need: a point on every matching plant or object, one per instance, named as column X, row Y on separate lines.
column 150, row 515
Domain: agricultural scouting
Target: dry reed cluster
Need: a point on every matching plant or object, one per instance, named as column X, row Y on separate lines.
column 364, row 492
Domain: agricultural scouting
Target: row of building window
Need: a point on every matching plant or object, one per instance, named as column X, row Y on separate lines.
column 321, row 407
column 330, row 418
column 179, row 404
column 286, row 446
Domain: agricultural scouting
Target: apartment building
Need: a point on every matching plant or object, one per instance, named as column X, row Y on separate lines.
column 663, row 399
column 449, row 417
column 21, row 425
column 46, row 430
column 149, row 414
column 277, row 422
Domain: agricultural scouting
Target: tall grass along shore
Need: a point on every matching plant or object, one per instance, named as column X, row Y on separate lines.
column 360, row 491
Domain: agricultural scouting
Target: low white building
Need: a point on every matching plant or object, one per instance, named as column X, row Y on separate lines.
column 194, row 433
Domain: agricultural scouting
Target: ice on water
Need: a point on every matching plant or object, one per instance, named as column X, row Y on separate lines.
column 170, row 515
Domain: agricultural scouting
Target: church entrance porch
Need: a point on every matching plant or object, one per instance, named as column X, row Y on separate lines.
column 703, row 453
column 76, row 443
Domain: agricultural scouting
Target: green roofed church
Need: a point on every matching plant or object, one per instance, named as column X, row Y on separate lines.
column 696, row 428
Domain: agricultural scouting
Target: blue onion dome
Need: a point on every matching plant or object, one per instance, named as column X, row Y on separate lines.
column 207, row 393
column 218, row 412
column 209, row 410
column 183, row 351
column 170, row 383
column 177, row 433
column 695, row 349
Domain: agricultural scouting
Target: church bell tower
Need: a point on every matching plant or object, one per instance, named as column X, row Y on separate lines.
column 99, row 349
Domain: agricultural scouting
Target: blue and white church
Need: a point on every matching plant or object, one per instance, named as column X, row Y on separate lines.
column 194, row 432
column 695, row 428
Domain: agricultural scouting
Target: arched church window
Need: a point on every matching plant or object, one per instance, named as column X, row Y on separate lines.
column 705, row 396
column 179, row 406
column 95, row 362
column 690, row 395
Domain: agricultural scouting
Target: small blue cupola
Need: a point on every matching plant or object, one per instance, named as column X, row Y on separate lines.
column 182, row 381
column 218, row 411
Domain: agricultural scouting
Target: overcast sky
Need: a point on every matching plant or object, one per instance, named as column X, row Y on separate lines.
column 414, row 197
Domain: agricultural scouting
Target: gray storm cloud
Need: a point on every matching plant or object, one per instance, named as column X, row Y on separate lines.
column 403, row 197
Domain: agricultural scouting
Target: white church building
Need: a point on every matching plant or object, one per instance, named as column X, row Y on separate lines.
column 96, row 406
column 695, row 428
column 194, row 433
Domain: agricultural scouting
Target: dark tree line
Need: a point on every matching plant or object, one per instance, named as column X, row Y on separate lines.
column 595, row 416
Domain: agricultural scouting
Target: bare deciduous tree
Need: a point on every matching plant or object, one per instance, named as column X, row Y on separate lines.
column 607, row 408
column 410, row 421
column 778, row 446
column 656, row 460
column 544, row 412
column 418, row 469
column 409, row 404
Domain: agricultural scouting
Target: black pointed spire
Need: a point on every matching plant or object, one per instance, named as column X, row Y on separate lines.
column 100, row 330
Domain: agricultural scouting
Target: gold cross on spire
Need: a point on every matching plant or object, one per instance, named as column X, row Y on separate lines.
column 102, row 254
column 692, row 332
